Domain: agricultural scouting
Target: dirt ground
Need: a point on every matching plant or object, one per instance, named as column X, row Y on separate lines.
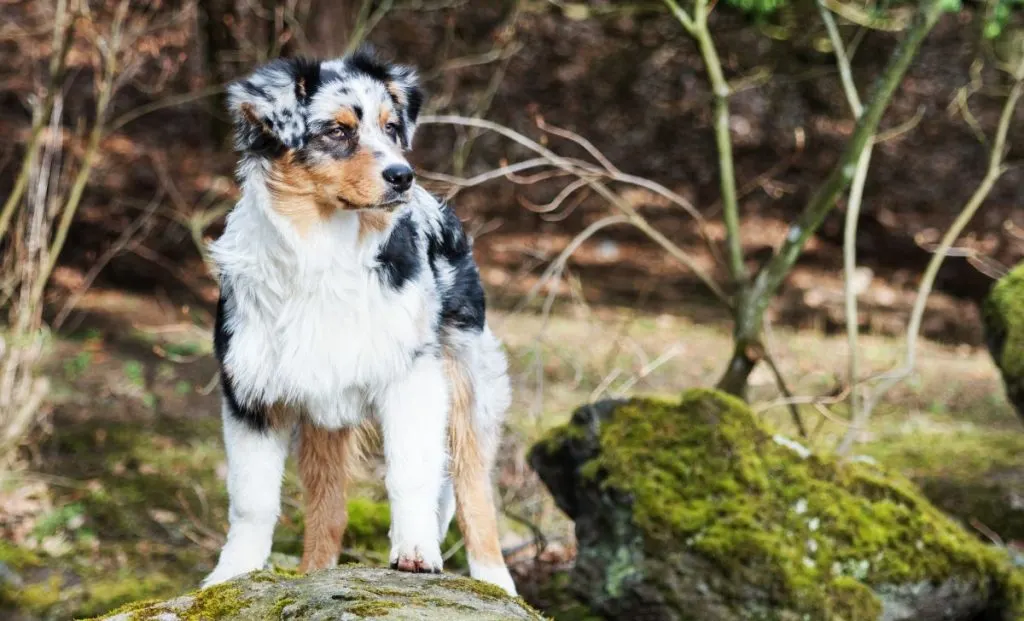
column 123, row 498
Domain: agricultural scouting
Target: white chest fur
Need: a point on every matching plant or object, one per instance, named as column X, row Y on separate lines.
column 313, row 320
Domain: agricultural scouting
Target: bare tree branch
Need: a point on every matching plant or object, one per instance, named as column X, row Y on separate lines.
column 568, row 165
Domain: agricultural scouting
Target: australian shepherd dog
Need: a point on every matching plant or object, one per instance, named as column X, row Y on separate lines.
column 349, row 294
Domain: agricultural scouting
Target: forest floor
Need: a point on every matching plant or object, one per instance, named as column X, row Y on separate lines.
column 122, row 498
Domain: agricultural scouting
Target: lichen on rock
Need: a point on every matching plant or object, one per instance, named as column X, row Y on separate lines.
column 1003, row 314
column 692, row 510
column 347, row 593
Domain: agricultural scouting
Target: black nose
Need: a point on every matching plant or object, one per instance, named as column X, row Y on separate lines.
column 400, row 177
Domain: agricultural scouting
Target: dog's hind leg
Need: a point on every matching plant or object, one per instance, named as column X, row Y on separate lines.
column 472, row 456
column 325, row 462
column 255, row 461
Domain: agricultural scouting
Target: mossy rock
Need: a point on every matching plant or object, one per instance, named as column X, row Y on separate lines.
column 973, row 474
column 691, row 510
column 1003, row 314
column 347, row 593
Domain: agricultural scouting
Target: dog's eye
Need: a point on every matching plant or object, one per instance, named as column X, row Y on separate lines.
column 340, row 132
column 391, row 129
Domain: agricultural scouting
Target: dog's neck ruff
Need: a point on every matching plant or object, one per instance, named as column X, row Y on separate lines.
column 332, row 311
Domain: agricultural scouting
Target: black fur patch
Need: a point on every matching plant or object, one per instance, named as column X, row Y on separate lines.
column 254, row 417
column 264, row 144
column 364, row 60
column 463, row 304
column 307, row 78
column 399, row 258
column 255, row 91
column 415, row 96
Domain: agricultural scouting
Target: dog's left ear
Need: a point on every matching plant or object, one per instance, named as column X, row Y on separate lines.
column 404, row 87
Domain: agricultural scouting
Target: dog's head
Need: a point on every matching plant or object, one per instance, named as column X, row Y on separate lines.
column 334, row 132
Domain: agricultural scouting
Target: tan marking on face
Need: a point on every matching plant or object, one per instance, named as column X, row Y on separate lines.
column 475, row 510
column 356, row 180
column 346, row 117
column 397, row 92
column 373, row 221
column 250, row 115
column 386, row 112
column 297, row 193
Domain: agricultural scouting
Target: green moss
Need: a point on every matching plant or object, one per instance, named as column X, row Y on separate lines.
column 437, row 602
column 36, row 599
column 381, row 608
column 851, row 600
column 706, row 476
column 278, row 609
column 476, row 587
column 559, row 436
column 384, row 591
column 215, row 602
column 139, row 607
column 286, row 573
column 1004, row 314
column 968, row 472
column 18, row 558
column 103, row 595
column 368, row 524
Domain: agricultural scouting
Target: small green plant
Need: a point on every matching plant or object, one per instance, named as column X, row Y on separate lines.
column 135, row 372
column 59, row 519
column 76, row 366
column 999, row 16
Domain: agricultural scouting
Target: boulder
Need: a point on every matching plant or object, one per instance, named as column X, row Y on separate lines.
column 348, row 593
column 1003, row 314
column 692, row 510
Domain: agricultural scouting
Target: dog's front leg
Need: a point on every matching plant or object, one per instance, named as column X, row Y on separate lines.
column 413, row 415
column 255, row 467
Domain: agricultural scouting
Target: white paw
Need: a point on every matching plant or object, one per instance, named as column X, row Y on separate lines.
column 497, row 575
column 424, row 558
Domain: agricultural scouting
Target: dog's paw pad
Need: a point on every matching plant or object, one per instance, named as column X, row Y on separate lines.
column 413, row 560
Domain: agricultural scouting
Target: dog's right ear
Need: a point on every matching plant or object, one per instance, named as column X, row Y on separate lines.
column 269, row 107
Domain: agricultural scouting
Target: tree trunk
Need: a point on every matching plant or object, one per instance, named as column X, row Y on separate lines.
column 217, row 38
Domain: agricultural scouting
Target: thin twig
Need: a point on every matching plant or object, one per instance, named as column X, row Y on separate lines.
column 904, row 127
column 895, row 22
column 853, row 206
column 697, row 26
column 63, row 33
column 996, row 168
column 580, row 140
column 166, row 102
column 70, row 207
column 566, row 164
column 126, row 237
